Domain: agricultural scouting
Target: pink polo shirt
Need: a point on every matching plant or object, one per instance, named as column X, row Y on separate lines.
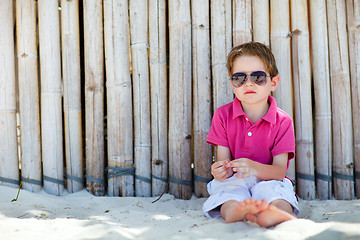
column 273, row 134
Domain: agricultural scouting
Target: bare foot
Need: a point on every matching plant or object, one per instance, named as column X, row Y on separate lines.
column 271, row 216
column 233, row 211
column 263, row 205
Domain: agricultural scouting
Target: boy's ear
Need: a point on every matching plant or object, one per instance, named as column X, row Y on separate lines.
column 275, row 82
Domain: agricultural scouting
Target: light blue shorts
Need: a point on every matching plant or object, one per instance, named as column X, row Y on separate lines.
column 240, row 189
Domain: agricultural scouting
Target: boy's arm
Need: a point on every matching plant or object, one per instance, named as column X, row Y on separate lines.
column 246, row 168
column 221, row 168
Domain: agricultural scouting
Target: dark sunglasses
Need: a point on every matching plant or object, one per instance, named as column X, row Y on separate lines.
column 258, row 77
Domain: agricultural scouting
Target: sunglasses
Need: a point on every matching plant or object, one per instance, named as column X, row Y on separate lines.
column 259, row 77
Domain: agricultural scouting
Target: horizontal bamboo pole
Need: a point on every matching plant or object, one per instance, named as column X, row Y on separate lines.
column 159, row 96
column 72, row 94
column 94, row 96
column 28, row 95
column 119, row 98
column 9, row 173
column 322, row 118
column 343, row 165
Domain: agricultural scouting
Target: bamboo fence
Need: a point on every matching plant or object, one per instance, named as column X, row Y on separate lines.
column 322, row 96
column 118, row 96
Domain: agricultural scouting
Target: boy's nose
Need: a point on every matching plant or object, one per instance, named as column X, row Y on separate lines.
column 248, row 81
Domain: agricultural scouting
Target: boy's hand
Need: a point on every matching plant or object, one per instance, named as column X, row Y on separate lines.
column 221, row 170
column 243, row 167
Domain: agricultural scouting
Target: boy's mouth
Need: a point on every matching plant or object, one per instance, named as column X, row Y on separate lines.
column 249, row 92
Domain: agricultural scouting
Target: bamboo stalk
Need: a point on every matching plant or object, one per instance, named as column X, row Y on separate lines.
column 320, row 66
column 119, row 97
column 343, row 165
column 9, row 171
column 159, row 98
column 353, row 18
column 280, row 46
column 261, row 21
column 94, row 96
column 72, row 94
column 51, row 112
column 140, row 64
column 221, row 43
column 28, row 94
column 241, row 22
column 201, row 96
column 303, row 103
column 180, row 99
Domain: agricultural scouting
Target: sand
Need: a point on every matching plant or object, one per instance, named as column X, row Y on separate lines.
column 84, row 216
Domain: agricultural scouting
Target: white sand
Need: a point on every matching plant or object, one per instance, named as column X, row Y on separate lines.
column 83, row 216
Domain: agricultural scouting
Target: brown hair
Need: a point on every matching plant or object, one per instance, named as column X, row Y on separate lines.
column 253, row 49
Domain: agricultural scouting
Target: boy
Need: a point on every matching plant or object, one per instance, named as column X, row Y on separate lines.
column 254, row 142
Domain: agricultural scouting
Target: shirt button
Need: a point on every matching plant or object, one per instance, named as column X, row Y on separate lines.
column 249, row 134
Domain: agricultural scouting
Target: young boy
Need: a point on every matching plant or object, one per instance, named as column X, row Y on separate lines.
column 254, row 142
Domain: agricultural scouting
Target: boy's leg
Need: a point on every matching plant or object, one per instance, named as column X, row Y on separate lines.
column 277, row 212
column 234, row 211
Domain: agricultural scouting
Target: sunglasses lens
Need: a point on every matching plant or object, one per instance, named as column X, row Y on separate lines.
column 238, row 79
column 259, row 77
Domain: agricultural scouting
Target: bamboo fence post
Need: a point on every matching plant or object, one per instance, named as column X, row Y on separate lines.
column 343, row 165
column 180, row 99
column 28, row 95
column 280, row 46
column 241, row 22
column 320, row 66
column 353, row 17
column 141, row 86
column 51, row 111
column 201, row 96
column 303, row 104
column 221, row 42
column 261, row 21
column 94, row 96
column 72, row 94
column 119, row 99
column 9, row 171
column 159, row 98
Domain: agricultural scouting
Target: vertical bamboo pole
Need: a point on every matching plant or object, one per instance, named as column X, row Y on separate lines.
column 241, row 22
column 261, row 21
column 180, row 99
column 221, row 42
column 159, row 98
column 51, row 112
column 119, row 99
column 201, row 96
column 94, row 96
column 28, row 95
column 353, row 18
column 72, row 94
column 320, row 66
column 303, row 103
column 343, row 165
column 141, row 85
column 280, row 46
column 9, row 171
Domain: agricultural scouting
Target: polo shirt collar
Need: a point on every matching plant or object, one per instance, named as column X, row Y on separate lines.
column 270, row 115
